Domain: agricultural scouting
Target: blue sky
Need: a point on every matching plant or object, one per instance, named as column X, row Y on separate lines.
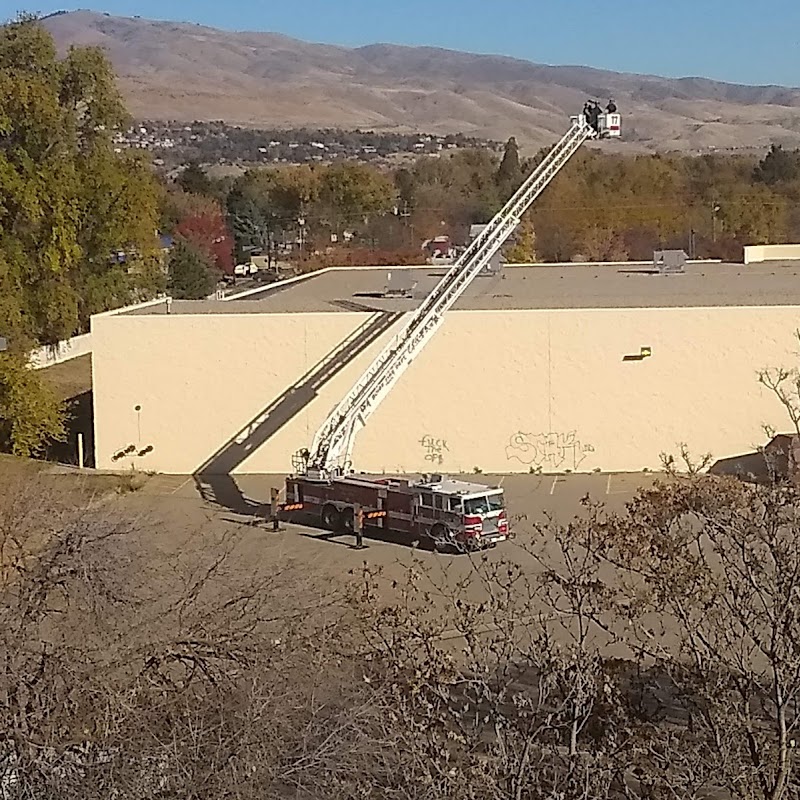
column 735, row 40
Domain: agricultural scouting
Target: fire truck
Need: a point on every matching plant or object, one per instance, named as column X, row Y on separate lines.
column 446, row 510
column 452, row 514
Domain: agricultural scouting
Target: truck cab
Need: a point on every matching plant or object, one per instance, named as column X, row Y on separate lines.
column 460, row 513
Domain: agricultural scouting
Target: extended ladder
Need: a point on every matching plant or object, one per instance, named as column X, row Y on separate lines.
column 333, row 443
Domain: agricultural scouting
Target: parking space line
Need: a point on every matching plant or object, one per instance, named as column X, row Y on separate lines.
column 553, row 487
column 175, row 491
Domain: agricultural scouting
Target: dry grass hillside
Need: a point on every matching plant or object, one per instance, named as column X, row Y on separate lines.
column 186, row 72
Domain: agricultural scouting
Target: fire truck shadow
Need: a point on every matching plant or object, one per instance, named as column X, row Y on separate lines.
column 214, row 480
column 385, row 538
column 372, row 534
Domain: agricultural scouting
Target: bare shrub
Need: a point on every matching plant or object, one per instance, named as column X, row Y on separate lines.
column 649, row 654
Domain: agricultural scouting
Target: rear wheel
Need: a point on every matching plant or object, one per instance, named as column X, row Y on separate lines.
column 441, row 537
column 330, row 518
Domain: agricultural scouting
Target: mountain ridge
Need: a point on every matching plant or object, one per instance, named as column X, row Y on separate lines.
column 186, row 71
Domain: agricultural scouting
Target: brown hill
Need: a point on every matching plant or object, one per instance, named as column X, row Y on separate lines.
column 185, row 72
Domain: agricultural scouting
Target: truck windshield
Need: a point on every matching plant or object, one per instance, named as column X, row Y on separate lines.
column 484, row 505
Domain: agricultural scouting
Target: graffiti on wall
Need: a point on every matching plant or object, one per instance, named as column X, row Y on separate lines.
column 434, row 449
column 556, row 451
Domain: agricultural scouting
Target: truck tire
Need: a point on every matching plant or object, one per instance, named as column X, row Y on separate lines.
column 441, row 537
column 330, row 517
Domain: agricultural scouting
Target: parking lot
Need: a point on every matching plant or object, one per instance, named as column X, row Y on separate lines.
column 178, row 512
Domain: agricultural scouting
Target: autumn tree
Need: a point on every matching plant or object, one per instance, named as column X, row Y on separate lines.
column 708, row 569
column 176, row 205
column 754, row 214
column 206, row 229
column 138, row 669
column 521, row 249
column 350, row 193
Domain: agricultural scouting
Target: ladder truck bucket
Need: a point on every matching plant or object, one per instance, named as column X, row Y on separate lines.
column 610, row 126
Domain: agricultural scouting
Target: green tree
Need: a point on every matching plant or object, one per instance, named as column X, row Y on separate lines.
column 459, row 190
column 191, row 272
column 264, row 203
column 194, row 180
column 68, row 201
column 250, row 221
column 77, row 220
column 509, row 173
column 778, row 166
column 31, row 414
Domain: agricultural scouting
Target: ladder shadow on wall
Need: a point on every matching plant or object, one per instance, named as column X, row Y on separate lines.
column 214, row 479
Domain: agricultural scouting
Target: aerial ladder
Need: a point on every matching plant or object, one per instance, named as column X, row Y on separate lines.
column 331, row 451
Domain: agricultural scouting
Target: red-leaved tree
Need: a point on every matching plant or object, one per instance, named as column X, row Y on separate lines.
column 208, row 230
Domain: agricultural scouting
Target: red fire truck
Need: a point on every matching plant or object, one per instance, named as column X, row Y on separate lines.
column 451, row 513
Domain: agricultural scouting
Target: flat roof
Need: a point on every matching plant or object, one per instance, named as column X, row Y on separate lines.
column 537, row 287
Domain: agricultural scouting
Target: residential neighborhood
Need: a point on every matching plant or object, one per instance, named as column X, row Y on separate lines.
column 173, row 143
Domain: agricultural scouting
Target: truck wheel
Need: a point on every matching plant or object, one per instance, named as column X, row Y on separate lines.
column 330, row 517
column 441, row 537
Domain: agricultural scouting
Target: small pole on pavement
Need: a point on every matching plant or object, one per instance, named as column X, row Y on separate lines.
column 273, row 505
column 358, row 524
column 80, row 451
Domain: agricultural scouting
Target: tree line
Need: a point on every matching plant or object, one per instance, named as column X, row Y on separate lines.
column 600, row 207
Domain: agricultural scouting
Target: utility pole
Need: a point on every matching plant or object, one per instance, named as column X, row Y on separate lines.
column 715, row 209
column 404, row 215
column 302, row 223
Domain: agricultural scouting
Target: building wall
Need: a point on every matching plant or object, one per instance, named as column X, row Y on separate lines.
column 66, row 350
column 757, row 254
column 503, row 391
column 199, row 380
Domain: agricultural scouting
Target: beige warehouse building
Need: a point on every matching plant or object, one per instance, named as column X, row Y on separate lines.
column 576, row 368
